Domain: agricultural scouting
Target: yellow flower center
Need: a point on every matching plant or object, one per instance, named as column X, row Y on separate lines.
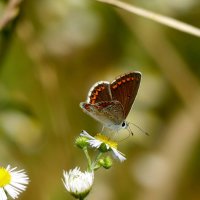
column 5, row 177
column 106, row 140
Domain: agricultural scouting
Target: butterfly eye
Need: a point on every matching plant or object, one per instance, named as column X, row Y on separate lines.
column 123, row 124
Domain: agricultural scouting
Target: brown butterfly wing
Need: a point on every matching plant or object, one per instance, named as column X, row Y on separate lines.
column 99, row 92
column 124, row 89
column 109, row 113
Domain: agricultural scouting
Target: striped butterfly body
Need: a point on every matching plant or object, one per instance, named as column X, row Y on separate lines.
column 110, row 103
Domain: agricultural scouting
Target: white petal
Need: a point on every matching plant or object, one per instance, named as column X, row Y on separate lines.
column 12, row 191
column 92, row 140
column 87, row 135
column 95, row 143
column 118, row 154
column 3, row 195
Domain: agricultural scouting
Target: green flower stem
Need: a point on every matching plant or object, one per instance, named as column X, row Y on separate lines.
column 88, row 158
column 97, row 159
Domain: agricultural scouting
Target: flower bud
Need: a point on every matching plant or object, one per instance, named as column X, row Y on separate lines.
column 106, row 162
column 81, row 142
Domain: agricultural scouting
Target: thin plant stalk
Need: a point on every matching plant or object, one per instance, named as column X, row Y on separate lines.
column 168, row 21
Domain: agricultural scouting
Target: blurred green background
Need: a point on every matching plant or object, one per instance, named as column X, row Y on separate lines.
column 52, row 53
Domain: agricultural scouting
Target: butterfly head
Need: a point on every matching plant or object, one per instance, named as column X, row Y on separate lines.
column 126, row 125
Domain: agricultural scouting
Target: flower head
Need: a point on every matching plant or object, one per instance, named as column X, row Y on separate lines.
column 100, row 141
column 12, row 182
column 78, row 183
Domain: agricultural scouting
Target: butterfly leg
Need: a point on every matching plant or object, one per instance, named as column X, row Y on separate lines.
column 102, row 129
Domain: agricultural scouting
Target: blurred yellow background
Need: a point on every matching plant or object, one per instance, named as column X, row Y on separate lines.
column 50, row 56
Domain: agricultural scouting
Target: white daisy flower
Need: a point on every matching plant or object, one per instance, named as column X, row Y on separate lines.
column 12, row 182
column 100, row 139
column 78, row 183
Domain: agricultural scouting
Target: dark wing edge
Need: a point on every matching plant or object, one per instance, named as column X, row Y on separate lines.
column 100, row 91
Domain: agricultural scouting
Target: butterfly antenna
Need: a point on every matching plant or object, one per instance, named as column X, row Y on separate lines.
column 139, row 129
column 129, row 130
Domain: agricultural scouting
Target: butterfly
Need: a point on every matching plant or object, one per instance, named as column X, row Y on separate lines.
column 110, row 103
